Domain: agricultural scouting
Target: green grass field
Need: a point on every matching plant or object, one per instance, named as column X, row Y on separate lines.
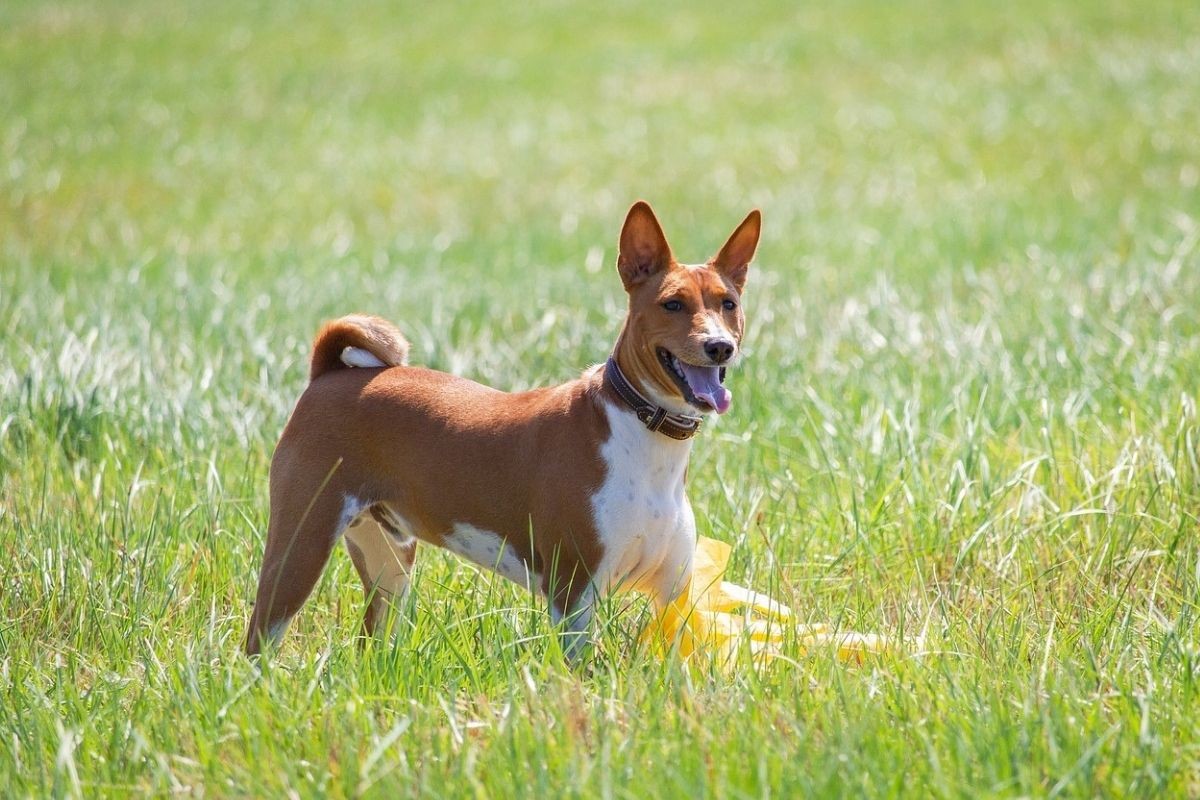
column 969, row 409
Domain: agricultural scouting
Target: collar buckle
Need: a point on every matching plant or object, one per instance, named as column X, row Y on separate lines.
column 653, row 420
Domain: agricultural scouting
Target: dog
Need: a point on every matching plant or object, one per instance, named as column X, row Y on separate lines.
column 572, row 491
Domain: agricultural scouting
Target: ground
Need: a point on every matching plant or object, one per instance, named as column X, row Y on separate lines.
column 968, row 409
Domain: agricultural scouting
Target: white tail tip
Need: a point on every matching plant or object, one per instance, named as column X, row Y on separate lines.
column 357, row 357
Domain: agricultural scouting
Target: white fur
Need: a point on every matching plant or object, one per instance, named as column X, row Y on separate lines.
column 277, row 629
column 489, row 550
column 643, row 517
column 358, row 357
column 386, row 556
column 351, row 508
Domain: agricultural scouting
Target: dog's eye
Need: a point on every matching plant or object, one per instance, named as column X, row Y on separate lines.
column 673, row 305
column 729, row 305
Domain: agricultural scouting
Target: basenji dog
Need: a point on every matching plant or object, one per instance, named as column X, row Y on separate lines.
column 573, row 490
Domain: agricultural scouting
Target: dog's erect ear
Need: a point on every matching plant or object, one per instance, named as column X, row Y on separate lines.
column 733, row 262
column 644, row 250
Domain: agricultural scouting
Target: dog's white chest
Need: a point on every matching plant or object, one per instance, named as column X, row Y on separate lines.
column 643, row 517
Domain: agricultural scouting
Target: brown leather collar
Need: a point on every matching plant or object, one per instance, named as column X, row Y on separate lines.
column 655, row 418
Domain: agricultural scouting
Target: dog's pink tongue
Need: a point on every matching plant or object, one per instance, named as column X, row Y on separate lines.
column 706, row 385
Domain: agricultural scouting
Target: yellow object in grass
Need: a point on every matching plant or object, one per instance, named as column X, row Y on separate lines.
column 715, row 617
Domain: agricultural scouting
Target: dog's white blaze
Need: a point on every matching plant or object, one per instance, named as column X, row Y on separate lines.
column 642, row 515
column 358, row 357
column 488, row 550
column 714, row 328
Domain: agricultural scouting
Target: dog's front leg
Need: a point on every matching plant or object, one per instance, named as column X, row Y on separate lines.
column 572, row 615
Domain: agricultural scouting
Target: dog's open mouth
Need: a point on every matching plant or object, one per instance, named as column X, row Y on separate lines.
column 703, row 387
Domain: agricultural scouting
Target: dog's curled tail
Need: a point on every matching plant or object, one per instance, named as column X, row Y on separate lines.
column 358, row 340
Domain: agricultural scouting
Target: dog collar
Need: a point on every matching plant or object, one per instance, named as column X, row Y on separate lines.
column 654, row 417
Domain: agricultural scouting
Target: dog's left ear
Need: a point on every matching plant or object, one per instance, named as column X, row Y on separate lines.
column 733, row 261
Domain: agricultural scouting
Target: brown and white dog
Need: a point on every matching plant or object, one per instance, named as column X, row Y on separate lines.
column 573, row 490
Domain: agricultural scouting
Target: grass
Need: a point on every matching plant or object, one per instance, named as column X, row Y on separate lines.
column 969, row 408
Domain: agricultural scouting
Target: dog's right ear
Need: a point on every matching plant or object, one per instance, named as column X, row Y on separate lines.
column 643, row 250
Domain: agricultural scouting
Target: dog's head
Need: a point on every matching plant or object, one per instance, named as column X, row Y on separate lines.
column 685, row 322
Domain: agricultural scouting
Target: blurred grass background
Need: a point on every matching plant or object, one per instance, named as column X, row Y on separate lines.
column 968, row 411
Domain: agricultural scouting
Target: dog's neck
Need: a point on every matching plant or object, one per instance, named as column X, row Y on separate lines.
column 638, row 362
column 656, row 418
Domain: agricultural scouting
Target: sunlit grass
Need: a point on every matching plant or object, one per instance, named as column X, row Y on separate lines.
column 968, row 411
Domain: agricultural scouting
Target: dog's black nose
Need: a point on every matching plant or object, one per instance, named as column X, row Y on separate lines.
column 719, row 350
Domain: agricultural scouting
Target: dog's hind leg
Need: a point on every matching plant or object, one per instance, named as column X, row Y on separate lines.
column 300, row 537
column 383, row 550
